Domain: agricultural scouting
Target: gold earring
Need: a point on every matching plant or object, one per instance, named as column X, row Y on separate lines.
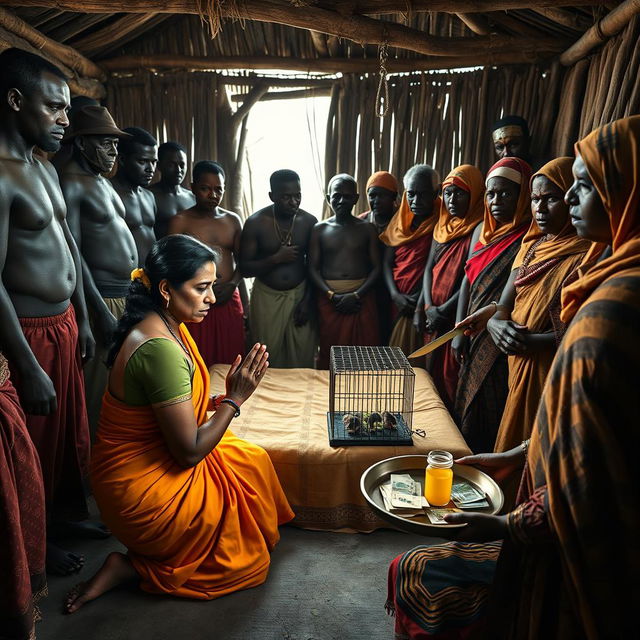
column 167, row 306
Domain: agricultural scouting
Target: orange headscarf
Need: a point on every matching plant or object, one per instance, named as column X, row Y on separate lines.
column 518, row 171
column 566, row 242
column 399, row 232
column 611, row 155
column 448, row 227
column 383, row 179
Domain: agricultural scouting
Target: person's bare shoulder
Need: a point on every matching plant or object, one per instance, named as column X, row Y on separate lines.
column 232, row 217
column 307, row 218
column 153, row 187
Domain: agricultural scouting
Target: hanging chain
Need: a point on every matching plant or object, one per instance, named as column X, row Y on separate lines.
column 382, row 95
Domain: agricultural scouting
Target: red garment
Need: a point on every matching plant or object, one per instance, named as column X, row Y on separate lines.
column 355, row 329
column 62, row 437
column 484, row 255
column 446, row 275
column 220, row 336
column 409, row 264
column 22, row 518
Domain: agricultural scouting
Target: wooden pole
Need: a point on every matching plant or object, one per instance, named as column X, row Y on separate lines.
column 477, row 24
column 324, row 65
column 371, row 7
column 89, row 87
column 287, row 95
column 276, row 82
column 608, row 26
column 65, row 54
column 112, row 33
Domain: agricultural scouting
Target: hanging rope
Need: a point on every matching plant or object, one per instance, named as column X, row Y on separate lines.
column 382, row 94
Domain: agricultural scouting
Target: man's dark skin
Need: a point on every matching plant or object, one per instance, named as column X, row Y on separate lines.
column 170, row 196
column 262, row 254
column 96, row 219
column 383, row 206
column 39, row 261
column 218, row 228
column 135, row 171
column 421, row 195
column 344, row 247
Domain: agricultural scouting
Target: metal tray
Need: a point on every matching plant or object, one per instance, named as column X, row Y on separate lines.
column 378, row 473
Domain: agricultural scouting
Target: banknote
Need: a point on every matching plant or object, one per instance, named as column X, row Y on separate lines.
column 436, row 516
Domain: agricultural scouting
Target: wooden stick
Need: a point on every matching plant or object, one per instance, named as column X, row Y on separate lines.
column 611, row 24
column 478, row 24
column 325, row 65
column 287, row 95
column 69, row 56
column 276, row 82
column 360, row 6
column 320, row 43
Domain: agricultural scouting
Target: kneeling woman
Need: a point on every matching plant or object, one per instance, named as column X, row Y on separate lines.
column 197, row 508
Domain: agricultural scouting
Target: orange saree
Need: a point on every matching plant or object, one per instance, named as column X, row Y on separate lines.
column 201, row 532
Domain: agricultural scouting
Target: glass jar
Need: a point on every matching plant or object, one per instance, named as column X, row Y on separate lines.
column 438, row 478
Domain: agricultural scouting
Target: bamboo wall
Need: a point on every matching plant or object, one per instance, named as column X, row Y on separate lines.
column 444, row 119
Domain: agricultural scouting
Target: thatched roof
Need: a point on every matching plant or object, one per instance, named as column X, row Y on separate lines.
column 421, row 34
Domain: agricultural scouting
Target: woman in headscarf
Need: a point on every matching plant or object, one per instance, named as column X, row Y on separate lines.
column 526, row 325
column 569, row 559
column 461, row 211
column 482, row 387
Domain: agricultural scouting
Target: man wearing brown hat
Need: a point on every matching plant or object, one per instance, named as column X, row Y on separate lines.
column 96, row 217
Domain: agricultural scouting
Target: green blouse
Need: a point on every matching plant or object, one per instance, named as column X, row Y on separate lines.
column 158, row 373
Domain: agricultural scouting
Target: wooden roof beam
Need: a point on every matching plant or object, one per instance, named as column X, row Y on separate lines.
column 478, row 24
column 361, row 6
column 65, row 54
column 127, row 64
column 608, row 26
column 287, row 95
column 112, row 33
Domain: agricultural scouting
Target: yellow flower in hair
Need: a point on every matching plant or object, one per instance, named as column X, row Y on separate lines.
column 139, row 274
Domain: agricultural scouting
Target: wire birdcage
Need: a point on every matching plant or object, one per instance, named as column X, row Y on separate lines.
column 370, row 397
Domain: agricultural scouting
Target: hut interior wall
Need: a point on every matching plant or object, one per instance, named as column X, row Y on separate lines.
column 442, row 119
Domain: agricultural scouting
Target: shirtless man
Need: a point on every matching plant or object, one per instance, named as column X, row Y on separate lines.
column 95, row 215
column 170, row 196
column 41, row 292
column 137, row 158
column 273, row 250
column 344, row 262
column 220, row 336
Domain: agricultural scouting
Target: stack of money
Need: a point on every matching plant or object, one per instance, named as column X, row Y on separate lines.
column 402, row 495
column 466, row 496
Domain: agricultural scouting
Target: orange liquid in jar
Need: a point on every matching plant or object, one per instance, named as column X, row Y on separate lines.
column 437, row 486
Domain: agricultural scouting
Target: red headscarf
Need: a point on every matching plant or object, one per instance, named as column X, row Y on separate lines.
column 518, row 171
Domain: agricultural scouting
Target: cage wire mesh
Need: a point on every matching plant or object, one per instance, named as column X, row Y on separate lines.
column 370, row 396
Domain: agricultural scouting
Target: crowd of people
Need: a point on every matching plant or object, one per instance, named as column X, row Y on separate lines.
column 100, row 379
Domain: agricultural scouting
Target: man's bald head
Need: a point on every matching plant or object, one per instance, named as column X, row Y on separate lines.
column 422, row 184
column 342, row 177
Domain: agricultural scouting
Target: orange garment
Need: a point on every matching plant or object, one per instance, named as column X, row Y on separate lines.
column 399, row 232
column 611, row 155
column 544, row 265
column 382, row 179
column 200, row 532
column 518, row 171
column 450, row 228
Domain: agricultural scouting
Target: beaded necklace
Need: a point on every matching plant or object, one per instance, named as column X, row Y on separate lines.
column 172, row 332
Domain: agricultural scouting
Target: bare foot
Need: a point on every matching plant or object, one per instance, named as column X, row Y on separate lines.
column 116, row 570
column 84, row 529
column 61, row 562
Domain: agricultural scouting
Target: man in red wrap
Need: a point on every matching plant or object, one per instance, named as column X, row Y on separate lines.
column 344, row 266
column 41, row 292
column 220, row 337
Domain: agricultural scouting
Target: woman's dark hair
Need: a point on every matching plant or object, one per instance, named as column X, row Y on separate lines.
column 174, row 258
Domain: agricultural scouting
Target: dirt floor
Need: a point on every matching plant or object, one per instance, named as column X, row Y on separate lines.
column 322, row 586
